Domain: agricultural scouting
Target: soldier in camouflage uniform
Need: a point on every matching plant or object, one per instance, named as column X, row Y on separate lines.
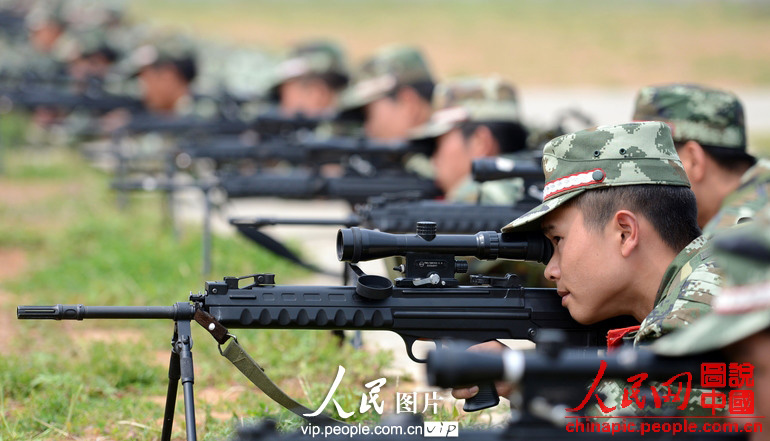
column 618, row 209
column 165, row 69
column 740, row 322
column 392, row 93
column 710, row 137
column 310, row 79
column 474, row 118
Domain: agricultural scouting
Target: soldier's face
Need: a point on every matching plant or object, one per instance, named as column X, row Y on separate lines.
column 160, row 87
column 585, row 266
column 387, row 119
column 452, row 160
column 44, row 38
column 309, row 97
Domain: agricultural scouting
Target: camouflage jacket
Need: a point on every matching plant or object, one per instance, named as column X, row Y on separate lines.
column 689, row 285
column 501, row 192
column 751, row 196
column 685, row 294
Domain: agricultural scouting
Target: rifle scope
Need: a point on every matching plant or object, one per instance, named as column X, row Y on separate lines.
column 358, row 244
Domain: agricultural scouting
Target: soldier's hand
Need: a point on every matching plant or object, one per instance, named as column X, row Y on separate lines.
column 503, row 389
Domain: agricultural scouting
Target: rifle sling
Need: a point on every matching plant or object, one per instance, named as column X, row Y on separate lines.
column 254, row 372
column 248, row 367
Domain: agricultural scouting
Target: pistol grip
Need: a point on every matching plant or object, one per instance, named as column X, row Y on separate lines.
column 487, row 397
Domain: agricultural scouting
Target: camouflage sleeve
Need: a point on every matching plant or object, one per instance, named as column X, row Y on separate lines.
column 500, row 192
column 420, row 165
column 624, row 399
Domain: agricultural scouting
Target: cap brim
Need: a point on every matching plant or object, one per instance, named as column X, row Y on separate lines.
column 530, row 221
column 357, row 103
column 430, row 131
column 712, row 332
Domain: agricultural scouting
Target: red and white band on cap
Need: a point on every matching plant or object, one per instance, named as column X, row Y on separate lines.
column 573, row 181
column 747, row 298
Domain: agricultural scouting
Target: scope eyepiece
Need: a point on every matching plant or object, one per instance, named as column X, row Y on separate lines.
column 359, row 244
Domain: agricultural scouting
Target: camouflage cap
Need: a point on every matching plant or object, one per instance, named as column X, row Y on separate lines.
column 743, row 307
column 87, row 43
column 709, row 116
column 157, row 51
column 479, row 99
column 317, row 57
column 383, row 73
column 606, row 156
column 44, row 13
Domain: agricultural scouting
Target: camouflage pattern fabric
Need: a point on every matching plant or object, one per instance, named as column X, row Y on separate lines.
column 420, row 165
column 709, row 116
column 477, row 99
column 606, row 156
column 383, row 73
column 750, row 197
column 689, row 286
column 311, row 58
column 500, row 192
column 743, row 307
column 156, row 50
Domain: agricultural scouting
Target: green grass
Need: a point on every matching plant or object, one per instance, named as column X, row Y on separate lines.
column 61, row 380
column 548, row 42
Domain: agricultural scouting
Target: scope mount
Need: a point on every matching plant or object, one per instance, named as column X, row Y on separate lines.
column 429, row 269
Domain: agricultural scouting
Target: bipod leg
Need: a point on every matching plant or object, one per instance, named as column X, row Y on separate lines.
column 173, row 386
column 180, row 368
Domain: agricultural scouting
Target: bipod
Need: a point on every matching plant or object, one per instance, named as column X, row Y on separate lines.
column 180, row 367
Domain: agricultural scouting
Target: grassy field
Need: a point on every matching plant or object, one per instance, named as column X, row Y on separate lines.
column 550, row 42
column 63, row 240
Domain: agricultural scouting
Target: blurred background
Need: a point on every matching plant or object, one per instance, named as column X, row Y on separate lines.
column 593, row 55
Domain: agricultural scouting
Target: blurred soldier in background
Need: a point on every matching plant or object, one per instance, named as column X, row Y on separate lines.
column 90, row 58
column 165, row 70
column 310, row 80
column 740, row 322
column 37, row 55
column 474, row 118
column 392, row 93
column 710, row 136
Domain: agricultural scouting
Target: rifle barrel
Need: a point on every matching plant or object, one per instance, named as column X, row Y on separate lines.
column 178, row 311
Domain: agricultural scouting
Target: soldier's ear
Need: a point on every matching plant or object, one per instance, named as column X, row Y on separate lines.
column 408, row 96
column 484, row 143
column 693, row 159
column 625, row 230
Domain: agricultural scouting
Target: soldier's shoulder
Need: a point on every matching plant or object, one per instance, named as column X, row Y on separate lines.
column 689, row 295
column 744, row 203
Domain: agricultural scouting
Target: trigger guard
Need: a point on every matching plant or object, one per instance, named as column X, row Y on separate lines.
column 409, row 343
